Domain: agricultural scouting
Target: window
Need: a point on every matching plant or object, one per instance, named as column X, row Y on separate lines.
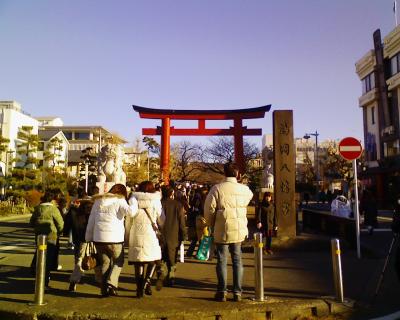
column 368, row 83
column 391, row 148
column 41, row 146
column 68, row 135
column 395, row 64
column 373, row 115
column 82, row 136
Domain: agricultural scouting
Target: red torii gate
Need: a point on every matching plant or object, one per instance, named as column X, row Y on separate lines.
column 237, row 131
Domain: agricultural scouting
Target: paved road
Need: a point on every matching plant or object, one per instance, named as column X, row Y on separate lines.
column 298, row 270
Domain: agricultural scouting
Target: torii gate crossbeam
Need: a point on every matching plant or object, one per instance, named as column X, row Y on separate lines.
column 165, row 131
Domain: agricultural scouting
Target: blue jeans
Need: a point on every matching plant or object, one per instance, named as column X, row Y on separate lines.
column 237, row 266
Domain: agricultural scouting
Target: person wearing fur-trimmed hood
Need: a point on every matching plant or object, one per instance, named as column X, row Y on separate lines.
column 106, row 229
column 144, row 249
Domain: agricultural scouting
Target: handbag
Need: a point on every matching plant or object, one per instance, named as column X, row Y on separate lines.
column 204, row 248
column 159, row 234
column 89, row 261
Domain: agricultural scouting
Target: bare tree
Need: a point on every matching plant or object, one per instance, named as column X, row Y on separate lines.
column 221, row 150
column 186, row 156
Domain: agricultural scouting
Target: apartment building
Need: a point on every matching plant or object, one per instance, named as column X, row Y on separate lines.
column 12, row 119
column 81, row 138
column 379, row 72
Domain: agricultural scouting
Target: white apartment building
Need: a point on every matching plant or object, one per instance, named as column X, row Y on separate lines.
column 50, row 121
column 12, row 118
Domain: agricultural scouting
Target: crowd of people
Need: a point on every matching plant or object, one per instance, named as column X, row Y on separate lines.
column 152, row 221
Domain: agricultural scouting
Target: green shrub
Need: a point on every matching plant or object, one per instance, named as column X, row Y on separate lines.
column 10, row 207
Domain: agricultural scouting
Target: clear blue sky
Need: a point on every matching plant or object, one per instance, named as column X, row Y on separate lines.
column 89, row 61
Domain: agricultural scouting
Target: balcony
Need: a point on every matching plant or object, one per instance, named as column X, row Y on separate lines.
column 393, row 82
column 389, row 134
column 368, row 97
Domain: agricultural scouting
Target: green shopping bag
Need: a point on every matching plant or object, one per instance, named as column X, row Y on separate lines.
column 204, row 248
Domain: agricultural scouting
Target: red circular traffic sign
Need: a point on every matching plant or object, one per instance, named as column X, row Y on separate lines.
column 350, row 148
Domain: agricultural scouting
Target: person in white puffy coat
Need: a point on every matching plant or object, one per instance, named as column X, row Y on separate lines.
column 144, row 249
column 225, row 210
column 106, row 229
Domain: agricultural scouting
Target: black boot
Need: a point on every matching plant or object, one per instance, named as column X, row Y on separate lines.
column 151, row 267
column 147, row 288
column 72, row 286
column 112, row 291
column 104, row 290
column 139, row 276
column 139, row 286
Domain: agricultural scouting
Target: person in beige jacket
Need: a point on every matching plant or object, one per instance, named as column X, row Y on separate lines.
column 225, row 210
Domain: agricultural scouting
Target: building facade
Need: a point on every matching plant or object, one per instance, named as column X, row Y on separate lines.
column 12, row 119
column 379, row 72
column 307, row 154
column 53, row 150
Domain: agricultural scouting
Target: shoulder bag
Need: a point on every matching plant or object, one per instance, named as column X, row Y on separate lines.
column 159, row 235
column 89, row 261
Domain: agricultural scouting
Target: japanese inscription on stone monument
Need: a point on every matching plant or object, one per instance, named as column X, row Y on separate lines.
column 284, row 164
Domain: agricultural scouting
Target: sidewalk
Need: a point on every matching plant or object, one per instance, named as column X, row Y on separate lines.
column 297, row 278
column 191, row 298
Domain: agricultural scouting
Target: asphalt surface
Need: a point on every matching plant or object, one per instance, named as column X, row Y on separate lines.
column 297, row 280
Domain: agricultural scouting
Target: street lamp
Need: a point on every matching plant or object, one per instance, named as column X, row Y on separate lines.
column 308, row 136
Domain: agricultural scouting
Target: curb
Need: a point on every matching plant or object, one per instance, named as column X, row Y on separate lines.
column 15, row 217
column 304, row 309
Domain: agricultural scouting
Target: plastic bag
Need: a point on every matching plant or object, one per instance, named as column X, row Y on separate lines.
column 204, row 248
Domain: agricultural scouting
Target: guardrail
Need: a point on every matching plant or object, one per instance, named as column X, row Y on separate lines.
column 325, row 222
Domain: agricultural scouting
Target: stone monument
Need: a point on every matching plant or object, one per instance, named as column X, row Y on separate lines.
column 267, row 176
column 110, row 167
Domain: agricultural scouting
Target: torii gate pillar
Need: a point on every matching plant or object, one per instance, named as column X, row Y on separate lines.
column 238, row 143
column 165, row 147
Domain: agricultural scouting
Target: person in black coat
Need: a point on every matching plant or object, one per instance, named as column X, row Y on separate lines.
column 76, row 222
column 370, row 211
column 174, row 231
column 266, row 220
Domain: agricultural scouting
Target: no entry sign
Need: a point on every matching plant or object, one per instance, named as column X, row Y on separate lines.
column 350, row 148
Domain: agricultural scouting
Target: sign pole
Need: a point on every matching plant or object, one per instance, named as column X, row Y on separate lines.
column 357, row 213
column 350, row 149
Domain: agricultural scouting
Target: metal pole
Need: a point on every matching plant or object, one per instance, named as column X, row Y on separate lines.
column 40, row 270
column 337, row 269
column 316, row 154
column 148, row 165
column 6, row 167
column 86, row 176
column 258, row 267
column 357, row 213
